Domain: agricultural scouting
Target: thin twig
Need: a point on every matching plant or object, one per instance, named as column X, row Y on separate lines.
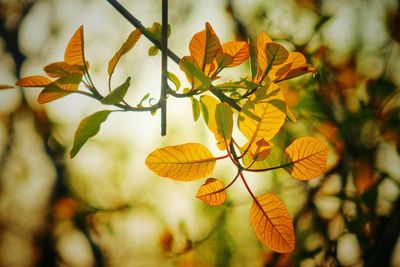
column 164, row 67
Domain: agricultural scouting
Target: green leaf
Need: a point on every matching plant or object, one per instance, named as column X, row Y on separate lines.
column 195, row 76
column 153, row 51
column 143, row 99
column 156, row 30
column 126, row 46
column 224, row 120
column 87, row 128
column 195, row 108
column 174, row 79
column 118, row 94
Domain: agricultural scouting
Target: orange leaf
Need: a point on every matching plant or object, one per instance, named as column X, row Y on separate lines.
column 239, row 51
column 260, row 150
column 5, row 86
column 272, row 223
column 305, row 158
column 204, row 46
column 74, row 54
column 34, row 81
column 185, row 162
column 211, row 192
column 262, row 40
column 294, row 66
column 62, row 69
column 60, row 88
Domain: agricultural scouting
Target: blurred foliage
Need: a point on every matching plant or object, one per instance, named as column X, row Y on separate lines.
column 50, row 214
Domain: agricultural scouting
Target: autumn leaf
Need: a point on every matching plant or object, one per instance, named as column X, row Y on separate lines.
column 88, row 128
column 224, row 121
column 295, row 65
column 239, row 51
column 5, row 86
column 261, row 42
column 272, row 224
column 184, row 162
column 118, row 94
column 50, row 93
column 259, row 118
column 34, row 81
column 212, row 193
column 125, row 47
column 62, row 69
column 204, row 46
column 260, row 150
column 74, row 53
column 305, row 158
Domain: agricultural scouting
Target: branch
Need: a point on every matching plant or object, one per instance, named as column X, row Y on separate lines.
column 164, row 67
column 137, row 24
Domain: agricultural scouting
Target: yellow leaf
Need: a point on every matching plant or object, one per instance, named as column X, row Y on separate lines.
column 125, row 47
column 185, row 162
column 33, row 81
column 239, row 51
column 305, row 158
column 197, row 79
column 212, row 193
column 5, row 86
column 204, row 46
column 272, row 223
column 74, row 53
column 62, row 69
column 259, row 118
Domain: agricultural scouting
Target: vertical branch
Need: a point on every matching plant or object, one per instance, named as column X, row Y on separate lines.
column 164, row 65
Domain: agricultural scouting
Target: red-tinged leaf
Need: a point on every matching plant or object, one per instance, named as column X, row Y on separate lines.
column 260, row 150
column 74, row 53
column 129, row 43
column 88, row 128
column 5, row 86
column 62, row 69
column 204, row 46
column 184, row 162
column 239, row 51
column 212, row 193
column 34, row 81
column 222, row 60
column 305, row 158
column 272, row 224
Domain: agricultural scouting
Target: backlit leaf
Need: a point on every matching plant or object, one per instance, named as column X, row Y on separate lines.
column 272, row 224
column 195, row 76
column 204, row 46
column 60, row 88
column 224, row 121
column 212, row 193
column 62, row 69
column 184, row 162
column 5, row 86
column 33, row 81
column 260, row 150
column 153, row 51
column 222, row 60
column 118, row 94
column 74, row 53
column 239, row 51
column 259, row 118
column 156, row 31
column 305, row 158
column 208, row 106
column 195, row 108
column 88, row 128
column 295, row 65
column 261, row 42
column 125, row 47
column 174, row 79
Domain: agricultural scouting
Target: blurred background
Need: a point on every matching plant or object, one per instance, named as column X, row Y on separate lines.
column 105, row 208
